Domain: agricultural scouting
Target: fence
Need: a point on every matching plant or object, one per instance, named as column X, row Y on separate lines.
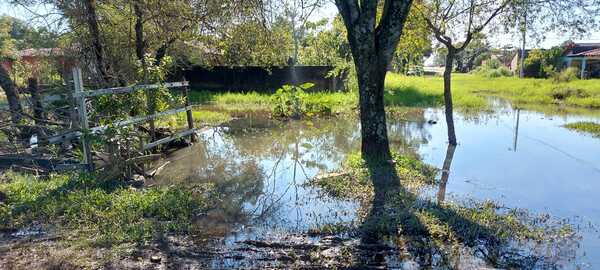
column 261, row 79
column 79, row 109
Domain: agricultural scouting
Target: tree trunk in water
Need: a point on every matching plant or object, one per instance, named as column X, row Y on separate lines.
column 12, row 95
column 96, row 42
column 448, row 96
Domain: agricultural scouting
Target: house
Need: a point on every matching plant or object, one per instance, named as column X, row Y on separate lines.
column 513, row 65
column 37, row 59
column 584, row 56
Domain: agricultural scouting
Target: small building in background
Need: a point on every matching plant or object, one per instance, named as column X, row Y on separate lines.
column 40, row 60
column 585, row 57
column 513, row 65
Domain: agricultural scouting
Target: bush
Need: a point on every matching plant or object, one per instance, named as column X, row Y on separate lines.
column 292, row 102
column 563, row 92
column 493, row 68
column 566, row 75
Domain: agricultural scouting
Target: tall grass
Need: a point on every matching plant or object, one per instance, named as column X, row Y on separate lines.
column 107, row 212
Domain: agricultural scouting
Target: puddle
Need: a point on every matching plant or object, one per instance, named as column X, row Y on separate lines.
column 518, row 158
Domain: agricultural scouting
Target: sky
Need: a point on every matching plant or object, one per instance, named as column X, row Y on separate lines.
column 329, row 11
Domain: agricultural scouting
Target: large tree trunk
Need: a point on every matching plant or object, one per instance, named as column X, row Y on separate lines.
column 371, row 78
column 140, row 43
column 12, row 95
column 96, row 42
column 448, row 96
column 36, row 98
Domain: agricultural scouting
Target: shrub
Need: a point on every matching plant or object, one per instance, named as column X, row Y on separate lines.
column 287, row 101
column 493, row 68
column 563, row 92
column 566, row 75
column 292, row 102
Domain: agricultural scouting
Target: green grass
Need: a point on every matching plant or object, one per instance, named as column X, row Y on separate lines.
column 467, row 90
column 103, row 212
column 469, row 93
column 201, row 118
column 585, row 127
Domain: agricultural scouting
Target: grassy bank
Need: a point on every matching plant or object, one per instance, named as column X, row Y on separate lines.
column 99, row 212
column 585, row 127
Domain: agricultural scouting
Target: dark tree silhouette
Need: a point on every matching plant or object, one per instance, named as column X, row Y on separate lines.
column 373, row 45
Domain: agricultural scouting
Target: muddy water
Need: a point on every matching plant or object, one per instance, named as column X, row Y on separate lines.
column 518, row 158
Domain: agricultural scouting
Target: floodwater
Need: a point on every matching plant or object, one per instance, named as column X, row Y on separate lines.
column 517, row 158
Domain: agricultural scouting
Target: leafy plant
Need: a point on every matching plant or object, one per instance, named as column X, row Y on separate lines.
column 493, row 68
column 288, row 101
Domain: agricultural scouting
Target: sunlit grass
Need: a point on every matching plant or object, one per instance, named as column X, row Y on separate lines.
column 104, row 211
column 469, row 92
column 468, row 88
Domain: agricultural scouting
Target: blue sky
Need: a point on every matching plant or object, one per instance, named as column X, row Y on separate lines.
column 552, row 39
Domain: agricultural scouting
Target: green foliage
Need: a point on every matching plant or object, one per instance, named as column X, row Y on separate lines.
column 108, row 108
column 542, row 63
column 324, row 46
column 107, row 210
column 414, row 44
column 566, row 75
column 289, row 101
column 25, row 36
column 493, row 68
column 251, row 43
column 585, row 127
column 7, row 42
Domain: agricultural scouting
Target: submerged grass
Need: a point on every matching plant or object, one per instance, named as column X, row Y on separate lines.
column 105, row 212
column 585, row 127
column 424, row 225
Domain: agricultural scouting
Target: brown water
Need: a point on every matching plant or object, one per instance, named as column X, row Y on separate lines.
column 260, row 168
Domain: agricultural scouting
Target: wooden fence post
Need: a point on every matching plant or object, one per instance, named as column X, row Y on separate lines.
column 83, row 120
column 150, row 102
column 190, row 118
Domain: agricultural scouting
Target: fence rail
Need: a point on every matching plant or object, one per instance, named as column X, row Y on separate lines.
column 129, row 89
column 80, row 97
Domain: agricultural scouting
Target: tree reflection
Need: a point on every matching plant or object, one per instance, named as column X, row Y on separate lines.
column 446, row 172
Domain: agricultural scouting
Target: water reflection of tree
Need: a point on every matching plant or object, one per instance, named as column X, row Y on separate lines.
column 236, row 181
column 441, row 196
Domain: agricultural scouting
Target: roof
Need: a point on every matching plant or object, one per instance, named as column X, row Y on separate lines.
column 43, row 52
column 594, row 52
column 578, row 49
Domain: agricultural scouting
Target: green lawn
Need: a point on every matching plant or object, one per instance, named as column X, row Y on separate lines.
column 469, row 93
column 468, row 88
